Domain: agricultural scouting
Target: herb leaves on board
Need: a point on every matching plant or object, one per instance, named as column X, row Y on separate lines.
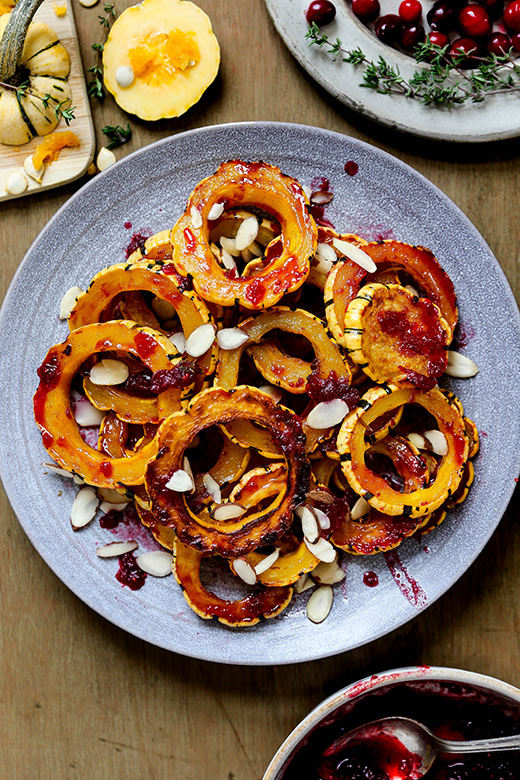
column 95, row 86
column 117, row 135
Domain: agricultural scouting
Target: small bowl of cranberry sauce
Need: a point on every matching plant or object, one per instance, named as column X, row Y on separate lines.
column 453, row 703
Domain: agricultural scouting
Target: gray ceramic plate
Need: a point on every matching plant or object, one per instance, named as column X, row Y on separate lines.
column 497, row 117
column 149, row 189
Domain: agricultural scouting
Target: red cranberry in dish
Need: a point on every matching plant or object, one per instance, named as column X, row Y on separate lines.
column 366, row 10
column 474, row 21
column 465, row 46
column 512, row 15
column 439, row 39
column 515, row 40
column 499, row 44
column 441, row 17
column 412, row 35
column 388, row 28
column 320, row 12
column 495, row 8
column 410, row 11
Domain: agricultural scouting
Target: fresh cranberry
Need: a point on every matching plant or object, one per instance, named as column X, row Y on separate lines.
column 412, row 35
column 466, row 46
column 441, row 17
column 366, row 10
column 515, row 40
column 499, row 44
column 512, row 15
column 410, row 11
column 439, row 39
column 474, row 21
column 320, row 12
column 388, row 28
column 495, row 8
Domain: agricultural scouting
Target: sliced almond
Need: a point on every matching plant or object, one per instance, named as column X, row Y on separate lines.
column 228, row 511
column 246, row 233
column 215, row 211
column 320, row 603
column 267, row 562
column 326, row 252
column 244, row 570
column 319, row 494
column 321, row 197
column 310, row 527
column 322, row 549
column 321, row 517
column 196, row 217
column 200, row 340
column 187, row 468
column 213, row 488
column 179, row 342
column 328, row 573
column 228, row 261
column 327, row 414
column 107, row 506
column 231, row 338
column 412, row 289
column 68, row 301
column 57, row 470
column 460, row 366
column 180, row 481
column 417, row 440
column 256, row 249
column 438, row 441
column 86, row 414
column 303, row 583
column 109, row 372
column 360, row 509
column 157, row 563
column 356, row 254
column 112, row 496
column 229, row 245
column 115, row 549
column 275, row 392
column 84, row 507
column 77, row 479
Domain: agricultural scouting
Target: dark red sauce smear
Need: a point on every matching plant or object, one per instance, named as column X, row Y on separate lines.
column 255, row 292
column 111, row 519
column 129, row 573
column 146, row 383
column 146, row 344
column 128, row 225
column 351, row 167
column 409, row 587
column 105, row 468
column 317, row 210
column 183, row 282
column 49, row 372
column 370, row 579
column 332, row 387
column 191, row 243
column 381, row 751
column 137, row 241
column 448, row 709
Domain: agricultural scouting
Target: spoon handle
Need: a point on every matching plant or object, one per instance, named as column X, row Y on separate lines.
column 479, row 745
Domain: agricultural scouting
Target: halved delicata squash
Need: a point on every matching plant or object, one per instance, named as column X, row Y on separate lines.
column 395, row 336
column 202, row 530
column 169, row 54
column 243, row 184
column 52, row 405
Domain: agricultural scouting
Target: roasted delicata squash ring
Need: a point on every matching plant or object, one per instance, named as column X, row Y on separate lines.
column 393, row 335
column 230, row 466
column 156, row 248
column 352, row 447
column 230, row 538
column 246, row 184
column 260, row 604
column 165, row 536
column 52, row 406
column 229, row 222
column 245, row 434
column 375, row 533
column 132, row 408
column 407, row 461
column 294, row 560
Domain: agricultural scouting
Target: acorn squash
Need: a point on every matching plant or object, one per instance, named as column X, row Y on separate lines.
column 169, row 48
column 32, row 55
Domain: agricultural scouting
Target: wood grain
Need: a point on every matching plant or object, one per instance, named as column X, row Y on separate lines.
column 82, row 699
column 72, row 163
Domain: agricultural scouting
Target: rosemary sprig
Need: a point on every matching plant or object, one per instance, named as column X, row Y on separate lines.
column 117, row 135
column 443, row 82
column 95, row 86
column 62, row 109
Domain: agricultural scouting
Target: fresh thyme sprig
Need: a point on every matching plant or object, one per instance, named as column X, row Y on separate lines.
column 442, row 82
column 62, row 109
column 95, row 86
column 117, row 135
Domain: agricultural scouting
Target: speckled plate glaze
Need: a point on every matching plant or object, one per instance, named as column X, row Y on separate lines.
column 495, row 118
column 148, row 189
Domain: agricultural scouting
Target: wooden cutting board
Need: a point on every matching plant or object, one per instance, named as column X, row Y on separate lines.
column 72, row 163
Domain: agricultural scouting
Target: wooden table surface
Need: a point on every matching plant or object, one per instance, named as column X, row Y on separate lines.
column 81, row 698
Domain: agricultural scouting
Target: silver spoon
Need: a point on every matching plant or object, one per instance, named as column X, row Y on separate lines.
column 418, row 745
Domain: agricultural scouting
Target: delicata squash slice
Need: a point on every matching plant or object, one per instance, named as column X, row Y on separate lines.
column 243, row 184
column 395, row 336
column 352, row 446
column 52, row 406
column 238, row 536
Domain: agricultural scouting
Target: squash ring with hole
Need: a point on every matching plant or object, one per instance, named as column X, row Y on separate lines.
column 52, row 406
column 246, row 184
column 229, row 538
column 260, row 604
column 352, row 447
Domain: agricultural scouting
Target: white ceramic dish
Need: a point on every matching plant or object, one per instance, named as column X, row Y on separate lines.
column 331, row 710
column 148, row 190
column 495, row 118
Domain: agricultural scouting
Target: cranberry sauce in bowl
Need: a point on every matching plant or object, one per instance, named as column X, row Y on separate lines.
column 454, row 704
